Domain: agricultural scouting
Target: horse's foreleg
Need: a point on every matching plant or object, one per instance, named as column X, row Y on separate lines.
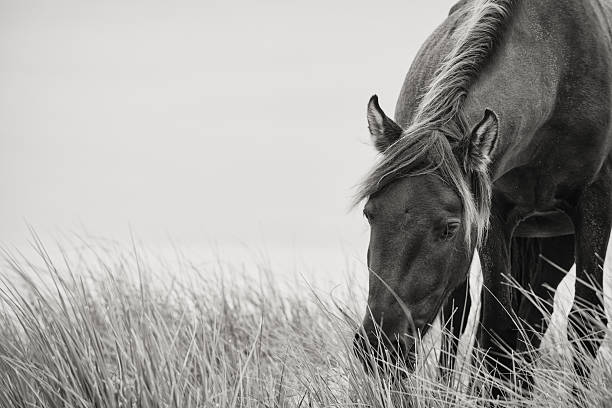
column 557, row 257
column 453, row 320
column 497, row 332
column 536, row 313
column 587, row 319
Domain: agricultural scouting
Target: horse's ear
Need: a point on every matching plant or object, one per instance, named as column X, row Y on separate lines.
column 384, row 131
column 482, row 142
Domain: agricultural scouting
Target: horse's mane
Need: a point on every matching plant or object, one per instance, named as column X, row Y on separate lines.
column 440, row 129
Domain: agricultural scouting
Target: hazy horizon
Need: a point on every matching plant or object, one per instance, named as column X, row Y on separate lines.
column 197, row 122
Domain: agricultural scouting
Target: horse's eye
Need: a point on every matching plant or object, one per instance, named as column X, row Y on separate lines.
column 451, row 229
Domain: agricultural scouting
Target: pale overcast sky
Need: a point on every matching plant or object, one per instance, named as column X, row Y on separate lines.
column 199, row 120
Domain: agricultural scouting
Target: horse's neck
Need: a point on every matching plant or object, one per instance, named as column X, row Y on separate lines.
column 520, row 84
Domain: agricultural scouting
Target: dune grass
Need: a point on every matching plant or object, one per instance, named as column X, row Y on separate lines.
column 113, row 328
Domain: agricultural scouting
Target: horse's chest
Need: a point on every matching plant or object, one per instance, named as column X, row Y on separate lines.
column 534, row 204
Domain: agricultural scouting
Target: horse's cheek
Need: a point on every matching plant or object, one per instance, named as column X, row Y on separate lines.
column 425, row 282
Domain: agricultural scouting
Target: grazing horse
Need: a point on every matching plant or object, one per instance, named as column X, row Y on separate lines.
column 501, row 142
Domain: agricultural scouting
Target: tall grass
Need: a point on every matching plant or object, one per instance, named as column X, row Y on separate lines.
column 113, row 328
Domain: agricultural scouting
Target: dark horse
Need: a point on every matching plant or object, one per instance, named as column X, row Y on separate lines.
column 502, row 142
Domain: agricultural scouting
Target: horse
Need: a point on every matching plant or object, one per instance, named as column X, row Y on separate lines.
column 501, row 143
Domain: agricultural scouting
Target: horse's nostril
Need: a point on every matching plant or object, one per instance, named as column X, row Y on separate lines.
column 365, row 351
column 400, row 346
column 362, row 345
column 372, row 352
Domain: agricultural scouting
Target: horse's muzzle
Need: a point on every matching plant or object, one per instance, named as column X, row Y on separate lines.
column 388, row 356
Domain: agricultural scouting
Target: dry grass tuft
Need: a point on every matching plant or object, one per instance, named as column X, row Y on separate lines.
column 97, row 332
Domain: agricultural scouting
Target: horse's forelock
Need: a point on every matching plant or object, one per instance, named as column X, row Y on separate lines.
column 432, row 153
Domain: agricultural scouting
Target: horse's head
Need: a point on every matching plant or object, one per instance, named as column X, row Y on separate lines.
column 420, row 247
